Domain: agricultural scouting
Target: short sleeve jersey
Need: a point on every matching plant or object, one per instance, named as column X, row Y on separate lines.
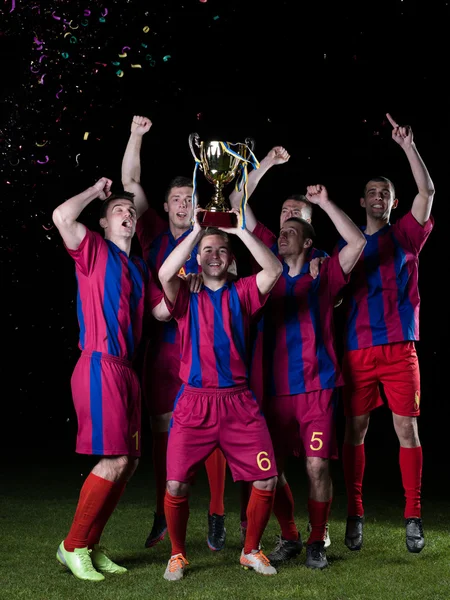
column 111, row 296
column 299, row 341
column 382, row 300
column 214, row 332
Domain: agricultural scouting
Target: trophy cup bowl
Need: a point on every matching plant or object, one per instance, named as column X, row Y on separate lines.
column 220, row 168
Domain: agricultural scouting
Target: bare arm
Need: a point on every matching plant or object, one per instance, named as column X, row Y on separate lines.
column 348, row 256
column 161, row 312
column 66, row 214
column 421, row 207
column 277, row 156
column 168, row 272
column 131, row 163
column 269, row 263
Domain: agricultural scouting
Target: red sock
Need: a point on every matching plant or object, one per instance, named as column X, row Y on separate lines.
column 411, row 461
column 246, row 490
column 93, row 497
column 354, row 462
column 283, row 508
column 176, row 509
column 108, row 508
column 159, row 467
column 259, row 509
column 318, row 517
column 216, row 469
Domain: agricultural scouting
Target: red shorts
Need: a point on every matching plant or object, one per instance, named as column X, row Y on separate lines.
column 160, row 376
column 307, row 418
column 226, row 418
column 395, row 367
column 107, row 399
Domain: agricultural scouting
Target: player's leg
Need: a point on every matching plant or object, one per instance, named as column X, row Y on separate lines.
column 316, row 418
column 160, row 432
column 361, row 395
column 401, row 381
column 246, row 444
column 215, row 466
column 193, row 436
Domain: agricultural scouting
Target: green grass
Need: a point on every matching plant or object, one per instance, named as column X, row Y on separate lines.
column 38, row 501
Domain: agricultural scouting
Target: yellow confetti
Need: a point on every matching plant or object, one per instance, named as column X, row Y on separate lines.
column 66, row 34
column 146, row 29
column 40, row 145
column 86, row 135
column 123, row 55
column 119, row 73
column 136, row 66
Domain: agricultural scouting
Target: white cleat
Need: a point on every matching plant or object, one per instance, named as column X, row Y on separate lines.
column 257, row 561
column 175, row 568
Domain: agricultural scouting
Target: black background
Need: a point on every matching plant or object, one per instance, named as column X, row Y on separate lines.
column 316, row 78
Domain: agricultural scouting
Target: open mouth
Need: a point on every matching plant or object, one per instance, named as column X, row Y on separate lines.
column 181, row 215
column 127, row 224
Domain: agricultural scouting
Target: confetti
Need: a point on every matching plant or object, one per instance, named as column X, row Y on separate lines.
column 42, row 162
column 86, row 135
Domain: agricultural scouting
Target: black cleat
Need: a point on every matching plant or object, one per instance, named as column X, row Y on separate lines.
column 285, row 550
column 216, row 532
column 316, row 557
column 158, row 532
column 354, row 533
column 415, row 540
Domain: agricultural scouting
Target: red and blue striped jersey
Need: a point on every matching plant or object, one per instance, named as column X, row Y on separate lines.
column 214, row 331
column 157, row 242
column 382, row 300
column 299, row 341
column 111, row 296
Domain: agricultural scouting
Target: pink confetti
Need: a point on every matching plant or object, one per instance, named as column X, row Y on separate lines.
column 87, row 12
column 56, row 16
column 13, row 5
column 57, row 94
column 125, row 48
column 42, row 162
column 41, row 80
column 105, row 13
column 47, row 228
column 42, row 57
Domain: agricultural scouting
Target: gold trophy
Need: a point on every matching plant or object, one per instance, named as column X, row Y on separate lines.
column 220, row 162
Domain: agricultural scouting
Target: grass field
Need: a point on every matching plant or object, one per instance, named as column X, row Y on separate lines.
column 39, row 495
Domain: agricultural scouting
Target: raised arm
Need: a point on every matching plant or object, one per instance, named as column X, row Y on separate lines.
column 131, row 163
column 348, row 256
column 168, row 272
column 269, row 263
column 66, row 214
column 421, row 207
column 277, row 156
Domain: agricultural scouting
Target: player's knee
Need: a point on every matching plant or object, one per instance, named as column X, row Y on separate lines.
column 266, row 485
column 177, row 488
column 317, row 468
column 356, row 429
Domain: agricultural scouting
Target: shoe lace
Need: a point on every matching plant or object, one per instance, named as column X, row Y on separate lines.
column 279, row 544
column 262, row 557
column 217, row 526
column 177, row 562
column 85, row 560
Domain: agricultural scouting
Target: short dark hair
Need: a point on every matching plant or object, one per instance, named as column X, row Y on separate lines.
column 307, row 229
column 177, row 182
column 117, row 196
column 301, row 198
column 380, row 179
column 207, row 231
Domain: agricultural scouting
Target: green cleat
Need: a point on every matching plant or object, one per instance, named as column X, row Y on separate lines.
column 79, row 562
column 104, row 564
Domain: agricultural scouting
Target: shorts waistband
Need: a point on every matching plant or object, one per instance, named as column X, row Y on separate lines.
column 237, row 389
column 107, row 357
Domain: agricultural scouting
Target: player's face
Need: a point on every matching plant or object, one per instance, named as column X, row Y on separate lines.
column 290, row 240
column 179, row 206
column 294, row 208
column 214, row 256
column 379, row 200
column 120, row 219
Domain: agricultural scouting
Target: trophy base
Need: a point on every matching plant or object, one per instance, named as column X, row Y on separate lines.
column 218, row 219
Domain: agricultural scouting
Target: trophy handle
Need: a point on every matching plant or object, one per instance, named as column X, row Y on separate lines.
column 250, row 143
column 194, row 139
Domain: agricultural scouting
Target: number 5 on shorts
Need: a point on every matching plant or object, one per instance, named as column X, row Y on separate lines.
column 263, row 462
column 315, row 438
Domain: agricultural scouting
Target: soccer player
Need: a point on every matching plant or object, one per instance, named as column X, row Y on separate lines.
column 296, row 205
column 161, row 362
column 302, row 370
column 215, row 407
column 113, row 288
column 382, row 325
